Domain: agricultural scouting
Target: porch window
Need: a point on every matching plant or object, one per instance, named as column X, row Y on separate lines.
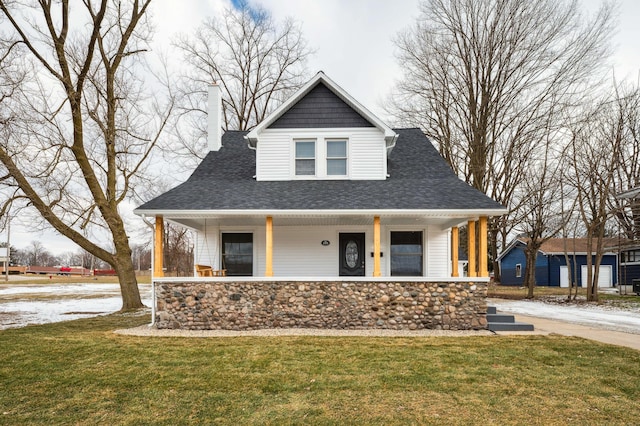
column 237, row 254
column 406, row 254
column 305, row 158
column 337, row 158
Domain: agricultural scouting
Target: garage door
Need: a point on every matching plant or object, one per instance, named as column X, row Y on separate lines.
column 605, row 278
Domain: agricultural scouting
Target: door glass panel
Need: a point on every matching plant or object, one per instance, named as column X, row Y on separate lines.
column 351, row 254
column 406, row 254
column 237, row 254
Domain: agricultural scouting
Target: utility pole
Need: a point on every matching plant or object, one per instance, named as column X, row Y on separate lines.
column 6, row 262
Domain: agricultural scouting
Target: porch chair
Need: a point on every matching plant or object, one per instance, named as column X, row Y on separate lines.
column 204, row 271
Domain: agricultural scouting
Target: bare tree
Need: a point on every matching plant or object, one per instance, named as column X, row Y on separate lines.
column 542, row 216
column 627, row 211
column 178, row 250
column 595, row 154
column 88, row 127
column 142, row 256
column 34, row 252
column 488, row 80
column 257, row 62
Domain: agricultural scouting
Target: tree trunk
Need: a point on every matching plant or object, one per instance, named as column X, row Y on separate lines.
column 126, row 272
column 530, row 271
column 128, row 283
column 493, row 249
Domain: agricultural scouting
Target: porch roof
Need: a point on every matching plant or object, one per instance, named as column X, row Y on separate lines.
column 419, row 183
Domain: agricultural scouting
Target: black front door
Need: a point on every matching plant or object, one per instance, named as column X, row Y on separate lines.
column 352, row 254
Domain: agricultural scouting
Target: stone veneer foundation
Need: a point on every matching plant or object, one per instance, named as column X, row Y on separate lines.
column 249, row 305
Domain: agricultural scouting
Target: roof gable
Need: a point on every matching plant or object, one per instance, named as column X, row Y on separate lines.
column 320, row 78
column 320, row 108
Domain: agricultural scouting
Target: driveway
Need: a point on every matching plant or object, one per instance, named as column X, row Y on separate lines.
column 604, row 324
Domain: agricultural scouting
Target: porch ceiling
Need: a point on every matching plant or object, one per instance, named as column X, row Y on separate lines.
column 198, row 223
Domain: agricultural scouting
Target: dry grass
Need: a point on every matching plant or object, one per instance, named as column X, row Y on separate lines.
column 79, row 372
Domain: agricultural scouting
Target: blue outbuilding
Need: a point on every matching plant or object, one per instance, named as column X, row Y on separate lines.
column 551, row 265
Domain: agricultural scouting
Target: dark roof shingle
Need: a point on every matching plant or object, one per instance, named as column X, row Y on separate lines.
column 419, row 179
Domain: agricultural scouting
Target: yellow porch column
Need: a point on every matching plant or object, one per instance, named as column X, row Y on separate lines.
column 471, row 247
column 376, row 246
column 158, row 252
column 454, row 251
column 483, row 271
column 269, row 242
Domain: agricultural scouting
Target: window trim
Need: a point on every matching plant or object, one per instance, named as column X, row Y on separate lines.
column 518, row 270
column 315, row 158
column 423, row 245
column 253, row 248
column 345, row 158
column 320, row 158
column 625, row 259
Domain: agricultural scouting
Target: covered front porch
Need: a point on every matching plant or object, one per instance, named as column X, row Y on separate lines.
column 331, row 244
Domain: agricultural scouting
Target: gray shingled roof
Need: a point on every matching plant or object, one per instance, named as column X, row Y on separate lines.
column 419, row 179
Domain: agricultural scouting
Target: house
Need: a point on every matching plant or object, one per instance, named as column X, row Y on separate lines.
column 629, row 253
column 323, row 216
column 551, row 265
column 629, row 257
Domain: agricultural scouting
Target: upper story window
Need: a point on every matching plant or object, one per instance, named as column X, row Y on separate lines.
column 305, row 158
column 630, row 256
column 337, row 158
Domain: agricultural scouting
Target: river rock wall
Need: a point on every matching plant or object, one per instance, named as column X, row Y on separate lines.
column 243, row 305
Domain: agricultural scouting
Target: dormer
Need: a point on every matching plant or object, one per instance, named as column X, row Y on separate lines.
column 321, row 133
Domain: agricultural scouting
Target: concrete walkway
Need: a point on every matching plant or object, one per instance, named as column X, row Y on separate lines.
column 548, row 326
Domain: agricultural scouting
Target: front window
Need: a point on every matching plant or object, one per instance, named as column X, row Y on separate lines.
column 406, row 254
column 337, row 158
column 305, row 158
column 237, row 254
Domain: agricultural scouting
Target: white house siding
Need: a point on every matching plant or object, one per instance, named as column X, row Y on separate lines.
column 367, row 146
column 366, row 153
column 438, row 252
column 207, row 247
column 274, row 155
column 298, row 250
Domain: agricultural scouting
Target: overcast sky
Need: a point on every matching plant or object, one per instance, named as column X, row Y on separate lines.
column 354, row 47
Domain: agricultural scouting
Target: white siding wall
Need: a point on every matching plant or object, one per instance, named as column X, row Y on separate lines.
column 437, row 252
column 273, row 156
column 366, row 153
column 207, row 247
column 297, row 250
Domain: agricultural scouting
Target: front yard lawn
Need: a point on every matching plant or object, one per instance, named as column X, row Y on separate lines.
column 79, row 372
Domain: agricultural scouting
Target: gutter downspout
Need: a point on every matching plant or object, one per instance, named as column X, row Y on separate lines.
column 153, row 283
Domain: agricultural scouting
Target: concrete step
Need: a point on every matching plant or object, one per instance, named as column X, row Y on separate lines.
column 500, row 318
column 509, row 326
column 491, row 310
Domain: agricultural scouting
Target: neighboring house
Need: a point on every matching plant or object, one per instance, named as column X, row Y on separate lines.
column 630, row 253
column 630, row 267
column 325, row 195
column 551, row 266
